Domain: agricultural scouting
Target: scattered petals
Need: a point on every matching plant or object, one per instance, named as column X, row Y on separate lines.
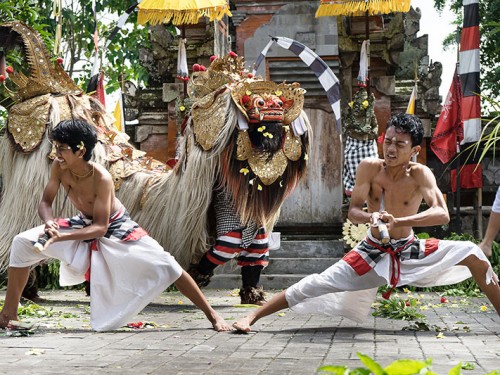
column 35, row 351
column 440, row 335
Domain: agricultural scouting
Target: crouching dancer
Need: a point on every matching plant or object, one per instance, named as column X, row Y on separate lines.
column 128, row 268
column 393, row 189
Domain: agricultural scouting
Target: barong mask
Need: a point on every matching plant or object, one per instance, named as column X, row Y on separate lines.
column 265, row 111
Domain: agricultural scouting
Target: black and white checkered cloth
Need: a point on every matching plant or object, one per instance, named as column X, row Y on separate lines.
column 321, row 70
column 228, row 220
column 355, row 151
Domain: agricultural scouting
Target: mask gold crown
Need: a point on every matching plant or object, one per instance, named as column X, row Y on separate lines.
column 222, row 71
column 45, row 77
column 229, row 71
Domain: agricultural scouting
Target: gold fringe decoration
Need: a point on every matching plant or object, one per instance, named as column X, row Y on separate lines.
column 162, row 11
column 330, row 8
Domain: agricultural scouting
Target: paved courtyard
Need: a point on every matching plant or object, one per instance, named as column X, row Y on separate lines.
column 177, row 339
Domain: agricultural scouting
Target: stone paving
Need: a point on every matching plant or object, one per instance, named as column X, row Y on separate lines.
column 182, row 341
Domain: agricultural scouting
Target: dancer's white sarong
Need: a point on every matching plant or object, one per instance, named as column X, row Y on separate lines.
column 348, row 288
column 128, row 268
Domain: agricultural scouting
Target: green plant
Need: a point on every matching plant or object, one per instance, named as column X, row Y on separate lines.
column 398, row 367
column 47, row 275
column 398, row 308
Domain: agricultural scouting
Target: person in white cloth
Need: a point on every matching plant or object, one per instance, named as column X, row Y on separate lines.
column 493, row 226
column 128, row 268
column 349, row 287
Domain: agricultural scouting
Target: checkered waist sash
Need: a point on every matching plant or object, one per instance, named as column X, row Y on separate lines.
column 121, row 226
column 370, row 251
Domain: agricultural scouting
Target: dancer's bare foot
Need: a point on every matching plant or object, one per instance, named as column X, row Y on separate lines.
column 219, row 324
column 4, row 320
column 243, row 325
column 486, row 249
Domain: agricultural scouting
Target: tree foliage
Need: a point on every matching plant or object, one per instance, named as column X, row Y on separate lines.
column 489, row 44
column 122, row 55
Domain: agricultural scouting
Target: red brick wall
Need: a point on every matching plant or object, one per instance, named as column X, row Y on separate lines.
column 247, row 28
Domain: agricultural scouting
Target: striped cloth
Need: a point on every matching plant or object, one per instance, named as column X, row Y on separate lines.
column 355, row 151
column 469, row 72
column 121, row 226
column 321, row 70
column 229, row 246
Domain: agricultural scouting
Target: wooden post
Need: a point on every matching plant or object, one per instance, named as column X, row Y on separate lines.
column 479, row 212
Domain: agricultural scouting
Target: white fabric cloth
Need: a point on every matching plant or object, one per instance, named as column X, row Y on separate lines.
column 496, row 203
column 339, row 290
column 125, row 275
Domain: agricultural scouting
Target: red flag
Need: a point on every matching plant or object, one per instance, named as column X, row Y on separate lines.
column 100, row 92
column 450, row 127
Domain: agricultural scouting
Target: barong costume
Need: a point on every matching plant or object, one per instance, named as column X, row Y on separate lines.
column 257, row 170
column 349, row 287
column 128, row 268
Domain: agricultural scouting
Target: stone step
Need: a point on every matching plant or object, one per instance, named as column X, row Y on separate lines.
column 309, row 249
column 233, row 281
column 285, row 266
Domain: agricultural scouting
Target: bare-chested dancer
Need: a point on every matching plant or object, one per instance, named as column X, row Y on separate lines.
column 128, row 268
column 399, row 185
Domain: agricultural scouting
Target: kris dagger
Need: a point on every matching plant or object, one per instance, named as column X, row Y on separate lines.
column 382, row 228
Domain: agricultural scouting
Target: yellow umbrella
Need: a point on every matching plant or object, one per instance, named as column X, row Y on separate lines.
column 361, row 7
column 181, row 12
column 328, row 8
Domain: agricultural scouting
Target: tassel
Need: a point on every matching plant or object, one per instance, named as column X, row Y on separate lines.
column 242, row 121
column 329, row 8
column 182, row 67
column 57, row 13
column 364, row 63
column 298, row 126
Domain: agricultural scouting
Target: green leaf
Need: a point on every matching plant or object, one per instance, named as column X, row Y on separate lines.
column 468, row 366
column 371, row 364
column 337, row 370
column 457, row 370
column 405, row 367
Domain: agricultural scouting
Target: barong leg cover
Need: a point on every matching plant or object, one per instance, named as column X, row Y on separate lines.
column 252, row 295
